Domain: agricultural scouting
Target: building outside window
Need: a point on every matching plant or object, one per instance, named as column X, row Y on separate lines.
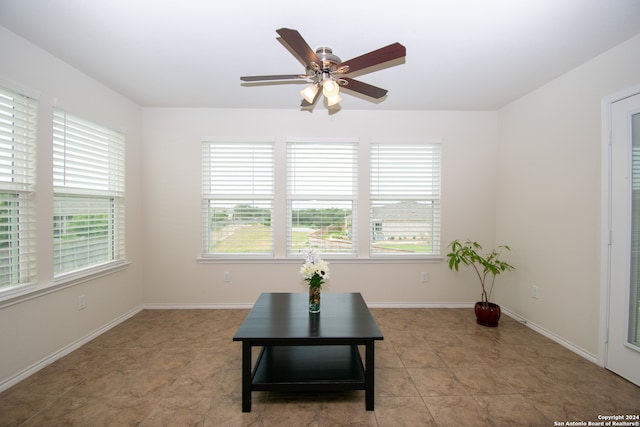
column 405, row 199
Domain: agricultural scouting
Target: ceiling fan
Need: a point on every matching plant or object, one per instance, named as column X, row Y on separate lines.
column 325, row 70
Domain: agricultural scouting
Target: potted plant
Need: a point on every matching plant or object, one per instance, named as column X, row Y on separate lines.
column 487, row 267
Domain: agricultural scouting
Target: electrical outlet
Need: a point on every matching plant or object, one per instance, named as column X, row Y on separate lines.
column 226, row 277
column 424, row 277
column 82, row 302
column 535, row 292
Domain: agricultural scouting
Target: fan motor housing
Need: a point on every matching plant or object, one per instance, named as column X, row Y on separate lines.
column 328, row 59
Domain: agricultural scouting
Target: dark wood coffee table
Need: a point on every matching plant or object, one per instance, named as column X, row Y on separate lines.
column 308, row 352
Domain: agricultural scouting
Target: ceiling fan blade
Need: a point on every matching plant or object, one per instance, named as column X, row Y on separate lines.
column 299, row 46
column 363, row 88
column 379, row 56
column 275, row 77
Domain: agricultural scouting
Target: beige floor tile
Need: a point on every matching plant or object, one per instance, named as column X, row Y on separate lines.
column 227, row 412
column 394, row 382
column 16, row 406
column 435, row 367
column 511, row 410
column 118, row 412
column 500, row 355
column 436, row 382
column 460, row 355
column 563, row 406
column 439, row 338
column 101, row 383
column 402, row 411
column 129, row 359
column 482, row 380
column 525, row 379
column 457, row 411
column 407, row 337
column 386, row 356
column 178, row 411
column 52, row 382
column 65, row 411
column 301, row 411
column 149, row 384
column 349, row 412
column 419, row 357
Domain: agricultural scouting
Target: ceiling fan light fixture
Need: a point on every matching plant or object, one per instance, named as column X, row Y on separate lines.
column 333, row 100
column 323, row 68
column 309, row 92
column 330, row 88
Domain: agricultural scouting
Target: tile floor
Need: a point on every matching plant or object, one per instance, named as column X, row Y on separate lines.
column 435, row 367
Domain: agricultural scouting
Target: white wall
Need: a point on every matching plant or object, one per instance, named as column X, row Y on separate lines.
column 549, row 198
column 173, row 227
column 31, row 330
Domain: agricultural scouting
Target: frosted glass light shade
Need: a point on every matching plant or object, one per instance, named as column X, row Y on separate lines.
column 334, row 99
column 309, row 93
column 330, row 88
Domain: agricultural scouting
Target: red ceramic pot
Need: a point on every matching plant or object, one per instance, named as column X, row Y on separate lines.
column 487, row 314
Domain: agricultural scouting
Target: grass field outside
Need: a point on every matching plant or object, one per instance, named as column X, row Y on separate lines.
column 256, row 238
column 248, row 238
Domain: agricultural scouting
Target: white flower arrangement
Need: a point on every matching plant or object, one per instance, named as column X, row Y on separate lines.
column 314, row 270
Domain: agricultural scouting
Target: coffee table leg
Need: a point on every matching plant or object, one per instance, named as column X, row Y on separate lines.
column 369, row 375
column 246, row 376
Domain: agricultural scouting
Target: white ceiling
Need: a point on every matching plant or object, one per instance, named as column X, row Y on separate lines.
column 461, row 54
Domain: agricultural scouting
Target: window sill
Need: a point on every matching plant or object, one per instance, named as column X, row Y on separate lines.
column 18, row 294
column 81, row 276
column 382, row 260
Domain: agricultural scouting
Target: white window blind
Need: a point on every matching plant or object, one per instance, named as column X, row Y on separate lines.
column 18, row 116
column 237, row 197
column 405, row 198
column 89, row 192
column 322, row 195
column 87, row 158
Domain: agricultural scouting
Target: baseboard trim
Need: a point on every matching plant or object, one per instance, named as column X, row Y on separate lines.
column 553, row 337
column 167, row 306
column 25, row 373
column 421, row 305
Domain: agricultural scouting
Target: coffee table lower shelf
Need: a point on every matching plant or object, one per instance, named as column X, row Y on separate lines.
column 309, row 368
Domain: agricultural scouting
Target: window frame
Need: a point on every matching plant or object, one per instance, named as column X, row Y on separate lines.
column 261, row 193
column 313, row 195
column 280, row 220
column 88, row 167
column 431, row 147
column 18, row 123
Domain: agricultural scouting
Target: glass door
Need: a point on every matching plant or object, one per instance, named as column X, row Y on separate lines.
column 623, row 351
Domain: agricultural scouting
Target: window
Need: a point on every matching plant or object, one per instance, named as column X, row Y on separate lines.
column 405, row 199
column 17, row 180
column 237, row 197
column 88, row 199
column 322, row 196
column 344, row 197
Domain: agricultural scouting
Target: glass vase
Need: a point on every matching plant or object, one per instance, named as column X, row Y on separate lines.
column 314, row 299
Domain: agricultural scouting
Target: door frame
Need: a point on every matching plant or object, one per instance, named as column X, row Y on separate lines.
column 605, row 240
